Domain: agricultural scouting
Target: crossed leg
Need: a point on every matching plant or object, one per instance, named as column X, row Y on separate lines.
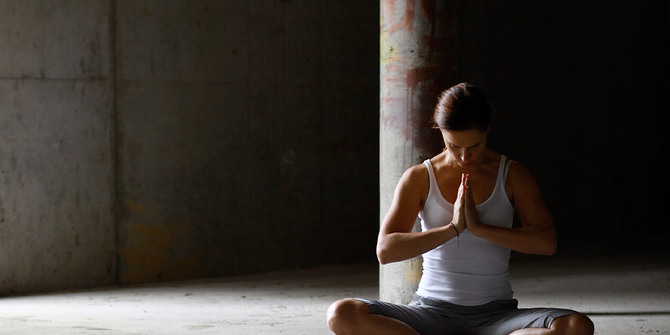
column 353, row 317
column 572, row 324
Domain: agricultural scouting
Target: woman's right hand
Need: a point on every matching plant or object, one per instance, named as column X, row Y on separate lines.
column 459, row 207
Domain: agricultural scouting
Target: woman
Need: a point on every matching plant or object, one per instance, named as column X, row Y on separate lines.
column 466, row 198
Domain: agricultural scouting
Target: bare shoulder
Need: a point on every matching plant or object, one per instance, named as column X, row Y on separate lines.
column 414, row 183
column 520, row 181
column 416, row 173
column 416, row 177
column 518, row 170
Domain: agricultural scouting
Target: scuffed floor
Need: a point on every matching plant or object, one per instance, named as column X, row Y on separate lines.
column 291, row 302
column 623, row 295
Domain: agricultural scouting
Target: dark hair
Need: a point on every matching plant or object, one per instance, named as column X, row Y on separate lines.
column 463, row 107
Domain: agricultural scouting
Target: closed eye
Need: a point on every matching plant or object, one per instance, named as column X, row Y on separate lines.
column 451, row 145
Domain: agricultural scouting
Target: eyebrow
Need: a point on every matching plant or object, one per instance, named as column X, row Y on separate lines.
column 472, row 146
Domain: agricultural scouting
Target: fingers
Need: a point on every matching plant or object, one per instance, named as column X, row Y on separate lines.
column 461, row 189
column 464, row 191
column 467, row 192
column 465, row 181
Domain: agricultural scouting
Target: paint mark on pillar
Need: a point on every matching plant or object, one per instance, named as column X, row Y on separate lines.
column 413, row 270
column 389, row 51
column 407, row 21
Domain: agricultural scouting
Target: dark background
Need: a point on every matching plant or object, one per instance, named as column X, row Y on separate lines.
column 582, row 96
column 145, row 141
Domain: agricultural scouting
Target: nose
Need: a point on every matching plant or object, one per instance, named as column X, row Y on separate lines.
column 465, row 155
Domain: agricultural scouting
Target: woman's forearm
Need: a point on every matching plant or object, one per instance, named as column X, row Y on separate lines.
column 395, row 247
column 528, row 240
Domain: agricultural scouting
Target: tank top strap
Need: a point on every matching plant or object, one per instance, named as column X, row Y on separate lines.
column 431, row 176
column 505, row 163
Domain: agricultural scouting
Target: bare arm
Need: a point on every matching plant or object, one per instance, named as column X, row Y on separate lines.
column 396, row 241
column 537, row 234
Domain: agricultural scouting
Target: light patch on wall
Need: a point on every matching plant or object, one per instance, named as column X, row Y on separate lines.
column 157, row 252
column 134, row 205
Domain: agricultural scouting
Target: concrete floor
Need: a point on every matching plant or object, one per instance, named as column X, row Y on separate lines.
column 623, row 295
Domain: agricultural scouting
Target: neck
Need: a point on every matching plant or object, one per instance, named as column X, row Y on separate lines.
column 473, row 166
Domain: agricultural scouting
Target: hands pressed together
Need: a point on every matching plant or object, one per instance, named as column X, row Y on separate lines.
column 465, row 210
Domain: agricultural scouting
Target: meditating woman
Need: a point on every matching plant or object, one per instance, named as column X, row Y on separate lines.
column 465, row 197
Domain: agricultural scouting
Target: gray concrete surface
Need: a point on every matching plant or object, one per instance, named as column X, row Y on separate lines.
column 147, row 140
column 56, row 190
column 623, row 295
column 410, row 82
column 135, row 135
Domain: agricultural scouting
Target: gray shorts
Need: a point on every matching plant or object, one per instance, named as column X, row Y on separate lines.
column 429, row 316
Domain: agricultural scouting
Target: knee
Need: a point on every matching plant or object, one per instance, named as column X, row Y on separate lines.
column 343, row 314
column 577, row 324
column 581, row 324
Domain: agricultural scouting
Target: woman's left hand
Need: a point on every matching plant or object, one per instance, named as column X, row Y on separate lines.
column 471, row 216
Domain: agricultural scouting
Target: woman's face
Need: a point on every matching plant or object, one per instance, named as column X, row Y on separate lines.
column 464, row 147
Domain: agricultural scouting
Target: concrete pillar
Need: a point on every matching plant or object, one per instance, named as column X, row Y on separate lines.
column 418, row 60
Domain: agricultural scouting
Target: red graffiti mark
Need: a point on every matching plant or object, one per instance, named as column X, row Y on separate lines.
column 407, row 21
column 423, row 87
column 426, row 61
column 418, row 75
column 388, row 7
column 428, row 11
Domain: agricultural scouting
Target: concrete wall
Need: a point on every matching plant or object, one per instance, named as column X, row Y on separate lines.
column 159, row 140
column 241, row 132
column 156, row 140
column 56, row 156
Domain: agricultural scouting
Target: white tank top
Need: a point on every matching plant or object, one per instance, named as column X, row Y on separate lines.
column 467, row 270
